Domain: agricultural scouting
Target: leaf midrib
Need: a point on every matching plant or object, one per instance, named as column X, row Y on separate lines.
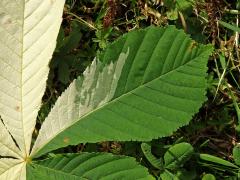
column 21, row 80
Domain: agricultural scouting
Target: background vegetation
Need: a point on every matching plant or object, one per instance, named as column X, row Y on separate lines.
column 89, row 25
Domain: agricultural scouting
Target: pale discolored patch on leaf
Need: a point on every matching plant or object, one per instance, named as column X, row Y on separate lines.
column 93, row 90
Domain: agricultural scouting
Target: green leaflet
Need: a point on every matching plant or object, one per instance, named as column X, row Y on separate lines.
column 208, row 177
column 229, row 26
column 87, row 166
column 147, row 151
column 217, row 160
column 160, row 86
column 236, row 155
column 177, row 155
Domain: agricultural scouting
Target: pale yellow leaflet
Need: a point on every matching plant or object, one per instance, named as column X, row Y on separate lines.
column 11, row 169
column 7, row 145
column 28, row 37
